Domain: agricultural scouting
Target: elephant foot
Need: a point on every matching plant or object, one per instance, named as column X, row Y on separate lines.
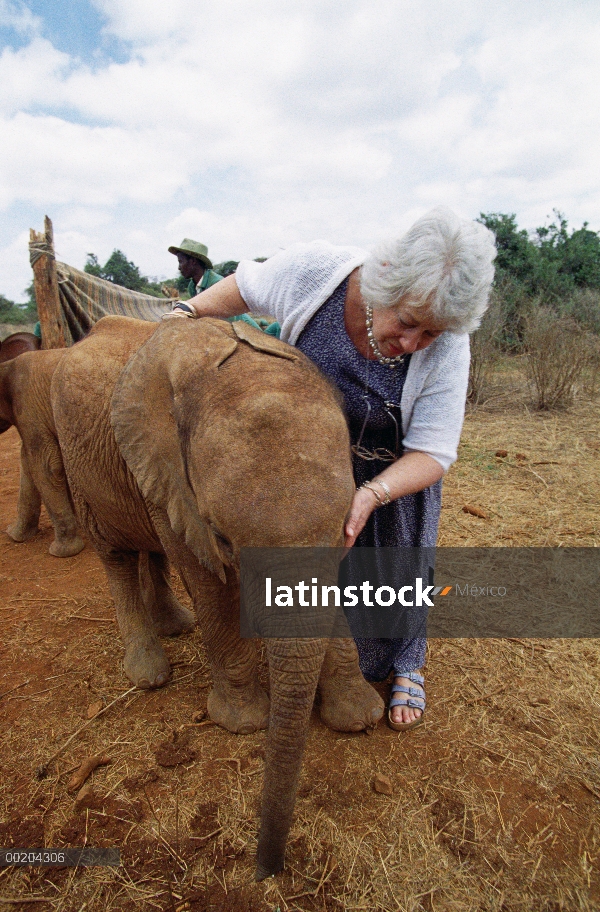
column 67, row 547
column 146, row 664
column 241, row 711
column 20, row 532
column 173, row 619
column 350, row 705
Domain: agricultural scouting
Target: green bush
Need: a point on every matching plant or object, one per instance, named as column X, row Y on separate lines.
column 584, row 307
column 551, row 267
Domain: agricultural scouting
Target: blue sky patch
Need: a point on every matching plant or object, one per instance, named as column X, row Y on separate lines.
column 74, row 27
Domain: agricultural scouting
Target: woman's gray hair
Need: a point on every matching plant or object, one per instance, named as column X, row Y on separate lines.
column 443, row 264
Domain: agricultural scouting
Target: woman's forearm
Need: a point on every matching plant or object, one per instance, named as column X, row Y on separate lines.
column 220, row 300
column 411, row 473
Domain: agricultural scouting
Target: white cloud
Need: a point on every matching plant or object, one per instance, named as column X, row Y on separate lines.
column 19, row 17
column 255, row 124
column 14, row 267
column 51, row 161
column 31, row 75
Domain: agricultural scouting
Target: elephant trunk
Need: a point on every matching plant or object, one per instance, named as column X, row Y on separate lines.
column 294, row 668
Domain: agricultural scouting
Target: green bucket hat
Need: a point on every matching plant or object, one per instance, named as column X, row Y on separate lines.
column 193, row 249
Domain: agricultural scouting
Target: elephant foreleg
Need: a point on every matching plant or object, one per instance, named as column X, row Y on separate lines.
column 48, row 474
column 237, row 701
column 145, row 662
column 28, row 507
column 169, row 616
column 348, row 702
column 294, row 667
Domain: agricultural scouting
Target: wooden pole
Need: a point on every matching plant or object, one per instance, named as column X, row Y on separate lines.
column 45, row 282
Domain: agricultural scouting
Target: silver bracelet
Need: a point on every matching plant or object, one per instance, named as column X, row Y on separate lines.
column 376, row 494
column 388, row 493
column 187, row 309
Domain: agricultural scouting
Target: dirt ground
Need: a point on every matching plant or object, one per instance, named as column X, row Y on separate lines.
column 495, row 799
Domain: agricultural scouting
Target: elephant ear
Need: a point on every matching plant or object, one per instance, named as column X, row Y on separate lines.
column 262, row 342
column 144, row 417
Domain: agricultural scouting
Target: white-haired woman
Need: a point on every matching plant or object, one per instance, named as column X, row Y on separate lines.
column 390, row 328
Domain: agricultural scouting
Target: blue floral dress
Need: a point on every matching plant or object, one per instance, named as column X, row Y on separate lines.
column 372, row 392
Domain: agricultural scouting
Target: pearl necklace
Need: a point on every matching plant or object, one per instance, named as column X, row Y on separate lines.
column 383, row 359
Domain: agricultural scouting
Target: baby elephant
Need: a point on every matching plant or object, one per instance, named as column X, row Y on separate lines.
column 196, row 439
column 25, row 402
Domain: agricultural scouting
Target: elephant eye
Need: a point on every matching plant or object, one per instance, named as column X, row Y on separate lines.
column 223, row 543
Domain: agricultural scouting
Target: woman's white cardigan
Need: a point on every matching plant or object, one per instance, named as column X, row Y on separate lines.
column 293, row 284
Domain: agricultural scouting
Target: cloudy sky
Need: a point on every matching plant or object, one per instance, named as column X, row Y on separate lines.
column 251, row 124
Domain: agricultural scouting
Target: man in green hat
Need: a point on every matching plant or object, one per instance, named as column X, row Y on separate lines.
column 195, row 266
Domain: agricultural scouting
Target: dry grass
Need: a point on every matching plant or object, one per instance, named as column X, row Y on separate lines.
column 496, row 798
column 560, row 353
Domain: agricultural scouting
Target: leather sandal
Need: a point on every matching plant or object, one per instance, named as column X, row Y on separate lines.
column 415, row 699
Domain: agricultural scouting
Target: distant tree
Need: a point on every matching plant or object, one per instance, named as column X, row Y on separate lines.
column 582, row 257
column 92, row 266
column 227, row 268
column 31, row 301
column 516, row 257
column 545, row 267
column 572, row 260
column 5, row 305
column 31, row 311
column 18, row 313
column 181, row 284
column 121, row 271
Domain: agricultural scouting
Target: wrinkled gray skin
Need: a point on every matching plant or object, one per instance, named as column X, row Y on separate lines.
column 195, row 439
column 25, row 402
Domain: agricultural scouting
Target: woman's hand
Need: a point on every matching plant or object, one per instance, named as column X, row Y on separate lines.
column 171, row 314
column 220, row 300
column 412, row 472
column 363, row 504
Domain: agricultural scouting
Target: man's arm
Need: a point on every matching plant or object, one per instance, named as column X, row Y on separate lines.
column 220, row 300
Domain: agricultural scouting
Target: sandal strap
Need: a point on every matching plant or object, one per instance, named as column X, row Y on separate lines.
column 412, row 704
column 413, row 676
column 415, row 695
column 411, row 691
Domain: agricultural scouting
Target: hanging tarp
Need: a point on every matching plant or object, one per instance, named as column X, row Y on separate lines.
column 85, row 299
column 71, row 301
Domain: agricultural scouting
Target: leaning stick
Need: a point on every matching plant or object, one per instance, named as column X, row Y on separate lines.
column 7, row 692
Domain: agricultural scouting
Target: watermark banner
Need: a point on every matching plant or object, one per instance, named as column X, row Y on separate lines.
column 408, row 592
column 84, row 857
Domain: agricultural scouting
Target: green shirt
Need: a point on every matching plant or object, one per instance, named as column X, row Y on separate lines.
column 209, row 278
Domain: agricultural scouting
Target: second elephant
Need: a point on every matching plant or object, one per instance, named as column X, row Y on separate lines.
column 25, row 402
